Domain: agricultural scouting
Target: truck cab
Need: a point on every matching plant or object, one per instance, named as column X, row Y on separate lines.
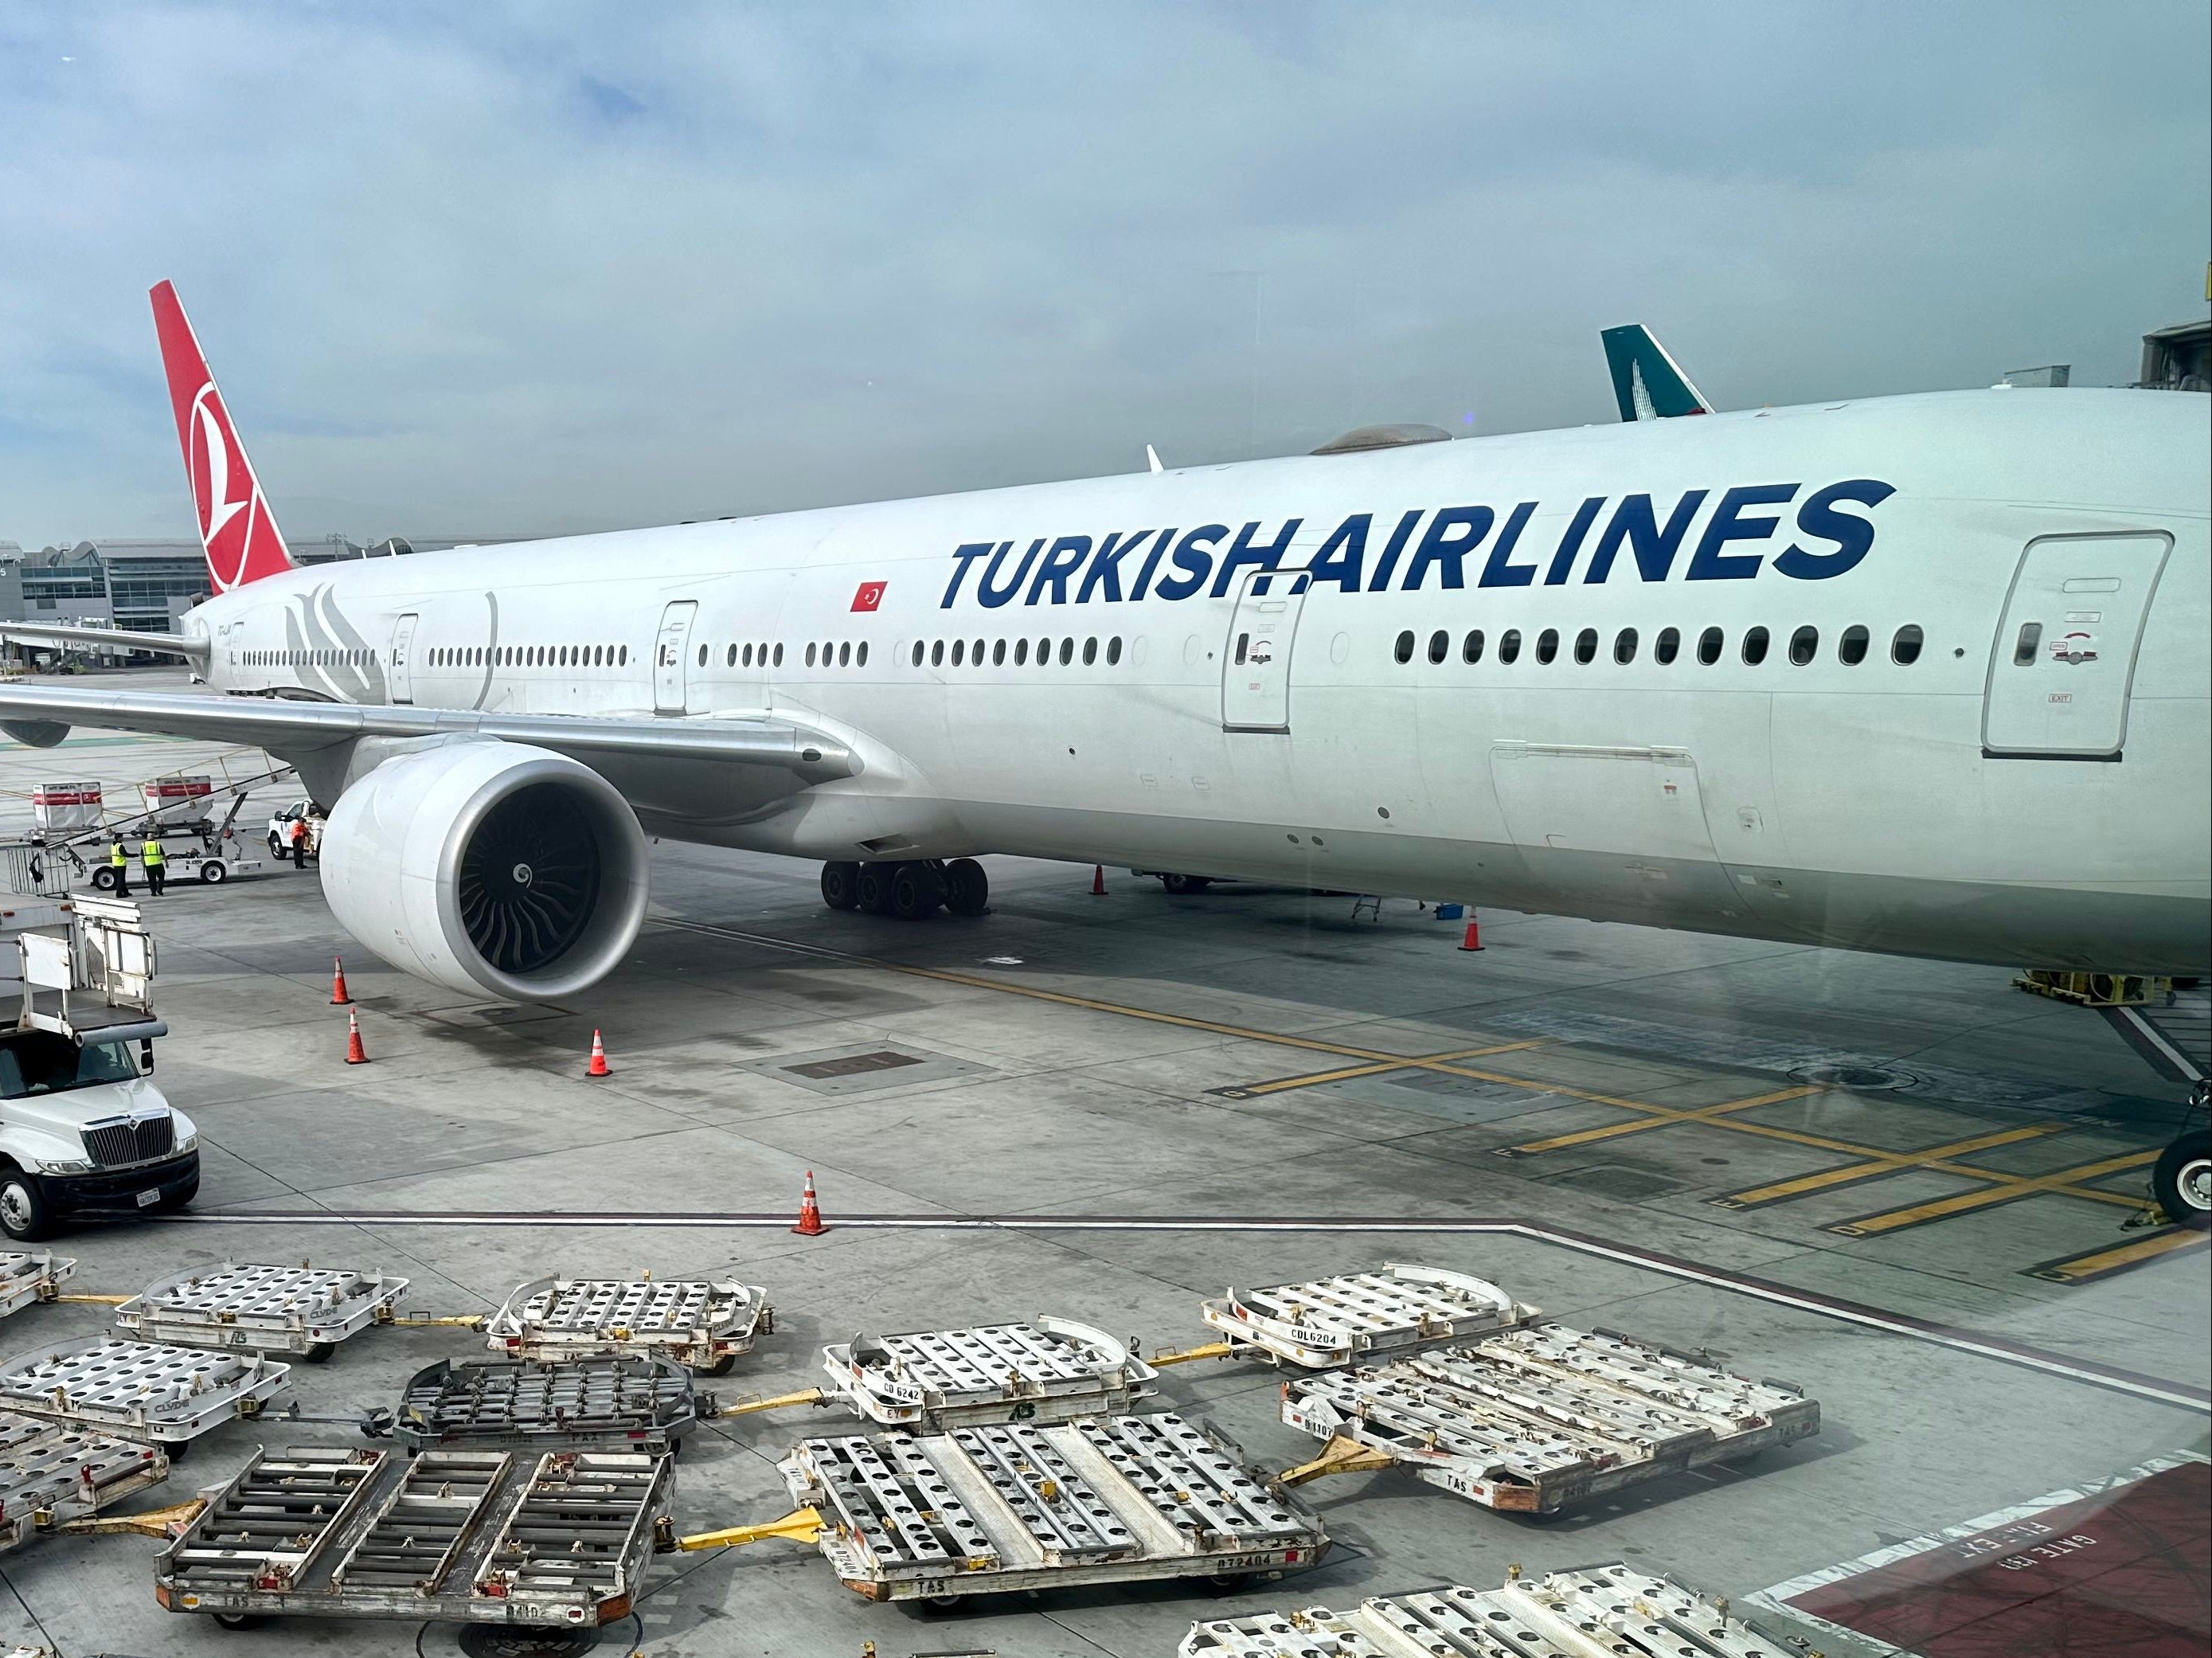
column 82, row 1127
column 280, row 828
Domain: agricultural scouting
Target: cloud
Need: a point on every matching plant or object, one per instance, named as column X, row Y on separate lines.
column 500, row 268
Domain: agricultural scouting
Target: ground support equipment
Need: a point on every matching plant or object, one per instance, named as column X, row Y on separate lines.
column 139, row 1390
column 996, row 1510
column 1596, row 1612
column 50, row 1474
column 701, row 1324
column 473, row 1536
column 631, row 1403
column 27, row 1276
column 1357, row 1316
column 300, row 1310
column 1534, row 1418
column 1049, row 1369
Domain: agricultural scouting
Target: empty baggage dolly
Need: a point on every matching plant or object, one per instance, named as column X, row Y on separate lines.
column 1356, row 1315
column 1049, row 1369
column 701, row 1324
column 1533, row 1419
column 476, row 1536
column 139, row 1390
column 640, row 1404
column 1020, row 1506
column 50, row 1474
column 300, row 1310
column 26, row 1277
column 1613, row 1611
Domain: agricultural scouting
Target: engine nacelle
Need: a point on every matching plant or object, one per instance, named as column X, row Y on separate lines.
column 493, row 868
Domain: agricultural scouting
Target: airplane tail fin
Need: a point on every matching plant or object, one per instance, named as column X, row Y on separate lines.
column 237, row 530
column 1646, row 382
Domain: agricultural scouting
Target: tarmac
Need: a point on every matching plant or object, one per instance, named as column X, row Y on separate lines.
column 1854, row 1172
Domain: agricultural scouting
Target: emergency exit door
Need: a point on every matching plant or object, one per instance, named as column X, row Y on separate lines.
column 2064, row 655
column 402, row 677
column 670, row 669
column 1255, row 666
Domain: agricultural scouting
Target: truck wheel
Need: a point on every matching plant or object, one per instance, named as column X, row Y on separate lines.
column 275, row 848
column 104, row 879
column 214, row 872
column 2182, row 1182
column 23, row 1214
column 967, row 889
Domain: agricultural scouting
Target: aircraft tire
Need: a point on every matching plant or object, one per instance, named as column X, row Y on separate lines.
column 840, row 884
column 917, row 890
column 1186, row 885
column 872, row 887
column 2182, row 1182
column 966, row 888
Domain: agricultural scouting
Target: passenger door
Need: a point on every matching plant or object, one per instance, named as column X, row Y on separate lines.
column 1255, row 664
column 403, row 650
column 2065, row 651
column 669, row 689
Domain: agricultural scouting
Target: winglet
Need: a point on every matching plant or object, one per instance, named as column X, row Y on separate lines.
column 1647, row 383
column 1152, row 459
column 237, row 532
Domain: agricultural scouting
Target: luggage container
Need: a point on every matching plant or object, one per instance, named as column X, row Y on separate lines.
column 27, row 1276
column 50, row 1474
column 626, row 1403
column 300, row 1310
column 1326, row 1322
column 471, row 1536
column 1614, row 1610
column 139, row 1390
column 701, row 1324
column 65, row 808
column 1049, row 1369
column 176, row 802
column 992, row 1510
column 1534, row 1418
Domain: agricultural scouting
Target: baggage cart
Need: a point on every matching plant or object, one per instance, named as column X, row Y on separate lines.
column 50, row 1474
column 301, row 1309
column 702, row 1324
column 1326, row 1322
column 29, row 1275
column 140, row 1391
column 1049, row 1369
column 631, row 1403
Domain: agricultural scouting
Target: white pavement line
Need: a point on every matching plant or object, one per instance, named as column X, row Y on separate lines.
column 1872, row 1318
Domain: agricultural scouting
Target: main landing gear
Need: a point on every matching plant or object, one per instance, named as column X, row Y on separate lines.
column 913, row 890
column 2182, row 1182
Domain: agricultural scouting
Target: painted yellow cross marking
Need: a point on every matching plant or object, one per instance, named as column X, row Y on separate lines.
column 1881, row 1163
column 2003, row 1189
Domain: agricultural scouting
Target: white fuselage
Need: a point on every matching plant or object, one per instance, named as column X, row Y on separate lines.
column 2030, row 797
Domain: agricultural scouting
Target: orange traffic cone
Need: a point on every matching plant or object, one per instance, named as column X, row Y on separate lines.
column 338, row 996
column 597, row 1067
column 810, row 1211
column 1098, row 880
column 1474, row 939
column 355, row 1053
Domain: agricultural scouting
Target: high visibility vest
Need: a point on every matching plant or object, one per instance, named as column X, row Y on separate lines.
column 117, row 856
column 152, row 855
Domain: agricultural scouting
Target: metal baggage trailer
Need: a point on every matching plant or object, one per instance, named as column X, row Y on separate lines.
column 300, row 1310
column 1325, row 1322
column 997, row 1509
column 1534, row 1418
column 50, row 1474
column 27, row 1276
column 471, row 1536
column 621, row 1403
column 702, row 1324
column 1049, row 1369
column 1612, row 1609
column 139, row 1390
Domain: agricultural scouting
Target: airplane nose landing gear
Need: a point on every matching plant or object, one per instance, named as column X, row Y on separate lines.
column 2182, row 1182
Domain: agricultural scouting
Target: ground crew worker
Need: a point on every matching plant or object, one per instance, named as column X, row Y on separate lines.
column 157, row 864
column 299, row 843
column 120, row 861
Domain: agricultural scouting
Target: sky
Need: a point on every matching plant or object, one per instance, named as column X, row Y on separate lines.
column 504, row 269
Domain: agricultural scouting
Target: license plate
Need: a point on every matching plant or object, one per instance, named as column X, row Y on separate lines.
column 148, row 1199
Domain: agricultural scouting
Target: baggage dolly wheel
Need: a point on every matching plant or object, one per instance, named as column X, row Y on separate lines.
column 234, row 1619
column 485, row 1641
column 318, row 1352
column 722, row 1366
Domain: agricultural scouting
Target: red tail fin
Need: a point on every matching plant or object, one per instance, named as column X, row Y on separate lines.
column 237, row 529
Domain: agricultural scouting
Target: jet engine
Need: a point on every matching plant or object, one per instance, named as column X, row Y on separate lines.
column 493, row 868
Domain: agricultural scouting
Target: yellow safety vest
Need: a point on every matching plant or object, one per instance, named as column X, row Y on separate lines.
column 117, row 856
column 151, row 854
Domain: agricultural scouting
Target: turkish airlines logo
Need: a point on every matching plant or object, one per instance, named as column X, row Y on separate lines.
column 870, row 595
column 223, row 491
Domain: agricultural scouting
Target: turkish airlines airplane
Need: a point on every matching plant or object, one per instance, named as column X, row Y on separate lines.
column 1917, row 674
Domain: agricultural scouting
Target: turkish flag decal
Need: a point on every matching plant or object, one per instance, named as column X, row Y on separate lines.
column 869, row 595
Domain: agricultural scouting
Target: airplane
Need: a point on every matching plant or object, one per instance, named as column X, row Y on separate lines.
column 1647, row 382
column 1921, row 674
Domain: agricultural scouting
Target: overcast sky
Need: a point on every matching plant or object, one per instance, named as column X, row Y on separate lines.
column 503, row 269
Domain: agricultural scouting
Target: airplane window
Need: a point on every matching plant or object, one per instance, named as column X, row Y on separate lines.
column 1114, row 651
column 1668, row 645
column 998, row 654
column 777, row 660
column 1021, row 652
column 599, row 656
column 809, row 655
column 1624, row 646
column 1044, row 652
column 1852, row 649
column 745, row 656
column 1709, row 646
column 1754, row 645
column 936, row 652
column 975, row 655
column 703, row 655
column 959, row 650
column 730, row 657
column 860, row 656
column 1470, row 648
column 917, row 652
column 1804, row 645
column 1508, row 645
column 622, row 657
column 1089, row 652
column 1904, row 649
column 845, row 655
column 1439, row 645
column 1066, row 651
column 1405, row 651
column 1586, row 644
column 1548, row 645
column 1243, row 641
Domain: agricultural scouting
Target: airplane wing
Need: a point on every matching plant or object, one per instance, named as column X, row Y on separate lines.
column 119, row 639
column 1647, row 383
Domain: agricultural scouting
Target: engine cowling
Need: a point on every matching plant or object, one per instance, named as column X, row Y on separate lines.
column 494, row 868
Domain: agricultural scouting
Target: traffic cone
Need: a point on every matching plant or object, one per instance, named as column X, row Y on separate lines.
column 810, row 1211
column 338, row 996
column 355, row 1053
column 597, row 1067
column 1474, row 939
column 1098, row 880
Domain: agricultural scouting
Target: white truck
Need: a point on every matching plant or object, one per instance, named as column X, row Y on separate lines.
column 82, row 1126
column 280, row 830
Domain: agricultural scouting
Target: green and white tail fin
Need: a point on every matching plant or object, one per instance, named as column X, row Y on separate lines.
column 1647, row 383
